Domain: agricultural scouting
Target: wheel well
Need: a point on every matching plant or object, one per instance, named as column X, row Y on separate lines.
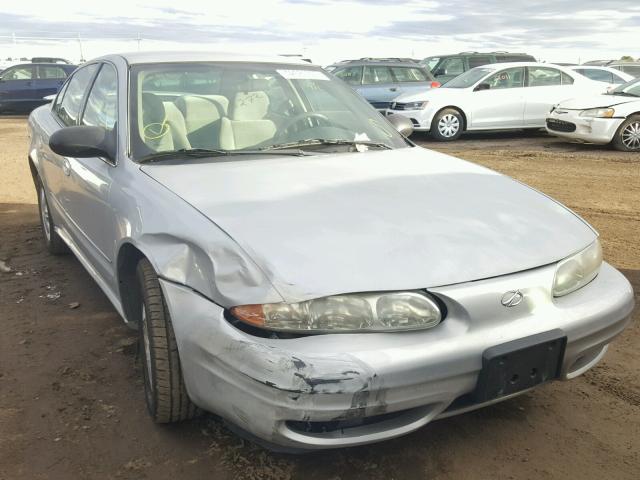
column 34, row 171
column 459, row 110
column 130, row 295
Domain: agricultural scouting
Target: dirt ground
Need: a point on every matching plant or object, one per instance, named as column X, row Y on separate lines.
column 71, row 398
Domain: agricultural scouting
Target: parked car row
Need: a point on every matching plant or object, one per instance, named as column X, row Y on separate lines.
column 496, row 94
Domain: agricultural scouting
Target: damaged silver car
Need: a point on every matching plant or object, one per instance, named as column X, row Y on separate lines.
column 297, row 266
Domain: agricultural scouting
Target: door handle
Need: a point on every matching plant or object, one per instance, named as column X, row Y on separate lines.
column 394, row 89
column 66, row 167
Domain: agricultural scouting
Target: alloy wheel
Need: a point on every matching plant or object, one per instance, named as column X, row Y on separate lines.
column 631, row 136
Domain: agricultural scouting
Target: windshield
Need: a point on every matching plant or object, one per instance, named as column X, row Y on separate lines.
column 629, row 88
column 233, row 107
column 468, row 78
column 430, row 62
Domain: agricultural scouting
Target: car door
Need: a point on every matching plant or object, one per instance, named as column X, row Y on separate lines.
column 17, row 88
column 88, row 184
column 498, row 100
column 546, row 87
column 411, row 79
column 65, row 111
column 49, row 79
column 378, row 87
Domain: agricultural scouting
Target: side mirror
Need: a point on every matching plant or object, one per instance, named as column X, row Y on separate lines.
column 482, row 86
column 49, row 98
column 84, row 142
column 401, row 123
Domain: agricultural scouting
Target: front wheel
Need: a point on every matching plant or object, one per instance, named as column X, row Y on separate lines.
column 627, row 137
column 52, row 240
column 165, row 393
column 447, row 125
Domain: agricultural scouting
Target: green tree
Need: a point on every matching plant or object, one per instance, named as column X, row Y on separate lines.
column 626, row 58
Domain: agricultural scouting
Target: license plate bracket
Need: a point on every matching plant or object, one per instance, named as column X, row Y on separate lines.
column 520, row 364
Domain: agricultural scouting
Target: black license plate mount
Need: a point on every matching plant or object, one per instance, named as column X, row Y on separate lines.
column 518, row 365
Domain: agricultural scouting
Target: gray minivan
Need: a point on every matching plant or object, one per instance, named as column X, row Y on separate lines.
column 380, row 80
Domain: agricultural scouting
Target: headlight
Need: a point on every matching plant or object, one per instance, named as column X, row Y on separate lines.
column 415, row 105
column 576, row 271
column 346, row 313
column 598, row 113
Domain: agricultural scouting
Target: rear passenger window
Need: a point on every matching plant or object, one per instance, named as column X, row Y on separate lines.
column 377, row 74
column 51, row 72
column 351, row 75
column 101, row 109
column 478, row 61
column 567, row 79
column 69, row 107
column 408, row 74
column 544, row 77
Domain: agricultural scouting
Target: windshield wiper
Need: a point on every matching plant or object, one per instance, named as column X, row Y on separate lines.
column 326, row 141
column 206, row 152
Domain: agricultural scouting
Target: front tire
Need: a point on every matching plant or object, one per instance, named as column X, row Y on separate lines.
column 55, row 244
column 627, row 138
column 165, row 393
column 447, row 125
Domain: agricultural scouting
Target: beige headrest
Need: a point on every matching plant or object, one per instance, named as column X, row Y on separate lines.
column 199, row 111
column 250, row 105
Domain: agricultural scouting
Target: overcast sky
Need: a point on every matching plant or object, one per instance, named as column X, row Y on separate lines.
column 324, row 30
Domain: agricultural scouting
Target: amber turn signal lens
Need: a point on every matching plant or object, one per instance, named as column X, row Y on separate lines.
column 251, row 314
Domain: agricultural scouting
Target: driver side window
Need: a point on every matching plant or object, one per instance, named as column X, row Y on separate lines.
column 507, row 78
column 19, row 73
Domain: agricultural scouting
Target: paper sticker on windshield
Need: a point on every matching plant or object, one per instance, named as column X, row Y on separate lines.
column 302, row 75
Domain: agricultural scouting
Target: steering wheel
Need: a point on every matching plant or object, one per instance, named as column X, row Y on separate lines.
column 304, row 116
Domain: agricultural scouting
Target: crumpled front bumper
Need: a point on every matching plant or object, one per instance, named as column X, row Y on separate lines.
column 589, row 130
column 329, row 391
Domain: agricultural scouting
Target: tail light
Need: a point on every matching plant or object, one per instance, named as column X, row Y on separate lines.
column 435, row 84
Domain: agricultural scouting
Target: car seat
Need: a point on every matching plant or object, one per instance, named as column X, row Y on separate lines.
column 247, row 126
column 202, row 115
column 161, row 125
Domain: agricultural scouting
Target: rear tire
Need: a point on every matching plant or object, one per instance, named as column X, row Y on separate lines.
column 627, row 138
column 165, row 393
column 55, row 244
column 447, row 125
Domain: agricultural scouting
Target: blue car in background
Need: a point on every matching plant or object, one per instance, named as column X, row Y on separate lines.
column 23, row 87
column 380, row 80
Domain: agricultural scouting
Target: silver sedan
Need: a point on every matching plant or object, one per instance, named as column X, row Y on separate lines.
column 297, row 266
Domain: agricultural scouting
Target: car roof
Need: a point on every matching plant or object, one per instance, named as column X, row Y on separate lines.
column 135, row 58
column 500, row 66
column 48, row 64
column 358, row 63
column 471, row 54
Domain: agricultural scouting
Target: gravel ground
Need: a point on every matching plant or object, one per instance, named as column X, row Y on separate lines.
column 71, row 399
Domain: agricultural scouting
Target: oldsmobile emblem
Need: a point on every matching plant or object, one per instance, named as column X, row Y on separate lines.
column 512, row 298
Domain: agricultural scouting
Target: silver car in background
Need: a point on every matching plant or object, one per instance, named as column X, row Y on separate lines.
column 295, row 265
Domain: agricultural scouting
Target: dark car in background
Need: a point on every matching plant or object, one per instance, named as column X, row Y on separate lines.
column 23, row 87
column 380, row 80
column 446, row 67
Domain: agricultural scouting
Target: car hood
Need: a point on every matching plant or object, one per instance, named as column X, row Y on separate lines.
column 381, row 220
column 596, row 101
